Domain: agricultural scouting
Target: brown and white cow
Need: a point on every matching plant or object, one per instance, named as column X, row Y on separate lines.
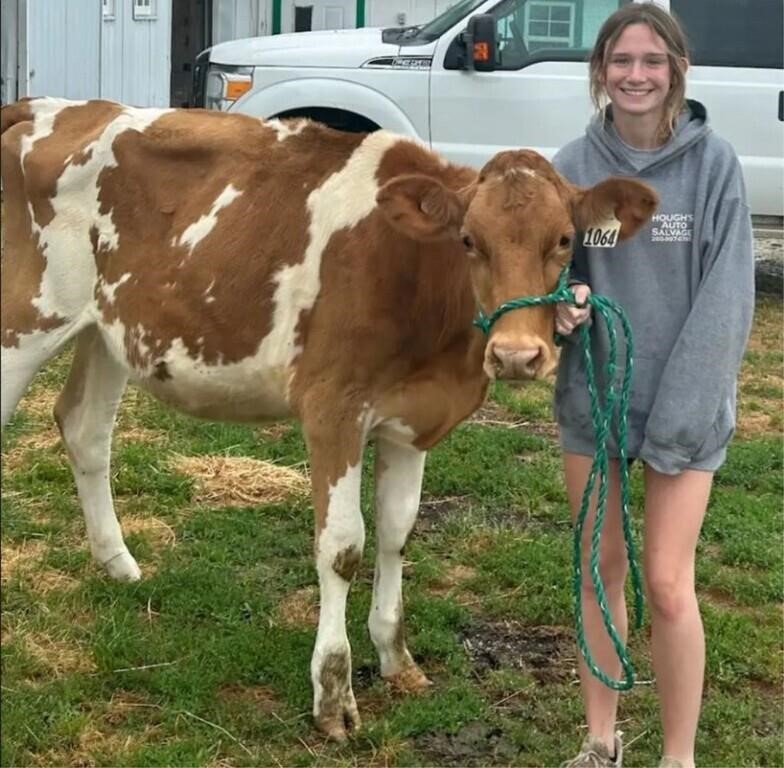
column 249, row 270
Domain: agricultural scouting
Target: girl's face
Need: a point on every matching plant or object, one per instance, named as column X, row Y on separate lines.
column 637, row 77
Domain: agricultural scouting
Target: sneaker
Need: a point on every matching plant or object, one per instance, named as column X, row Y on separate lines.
column 670, row 762
column 594, row 754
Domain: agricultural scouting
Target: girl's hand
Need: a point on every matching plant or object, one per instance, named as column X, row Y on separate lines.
column 567, row 316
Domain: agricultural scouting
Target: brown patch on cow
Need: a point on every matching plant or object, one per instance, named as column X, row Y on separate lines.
column 23, row 264
column 346, row 562
column 188, row 151
column 232, row 480
column 300, row 608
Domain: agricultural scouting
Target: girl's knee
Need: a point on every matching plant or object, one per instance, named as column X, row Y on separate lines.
column 671, row 598
column 612, row 570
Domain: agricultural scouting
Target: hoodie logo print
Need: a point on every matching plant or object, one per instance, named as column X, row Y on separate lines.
column 672, row 227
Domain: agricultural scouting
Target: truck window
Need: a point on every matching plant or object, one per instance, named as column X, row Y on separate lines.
column 733, row 33
column 544, row 30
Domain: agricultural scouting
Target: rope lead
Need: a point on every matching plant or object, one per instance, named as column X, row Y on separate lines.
column 602, row 409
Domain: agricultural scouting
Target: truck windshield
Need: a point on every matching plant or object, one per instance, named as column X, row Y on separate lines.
column 451, row 16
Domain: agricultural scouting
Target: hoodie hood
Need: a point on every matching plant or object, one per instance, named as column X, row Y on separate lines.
column 690, row 128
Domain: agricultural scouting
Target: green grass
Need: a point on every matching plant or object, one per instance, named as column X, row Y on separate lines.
column 206, row 661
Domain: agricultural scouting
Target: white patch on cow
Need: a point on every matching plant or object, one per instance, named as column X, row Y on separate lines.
column 398, row 489
column 110, row 289
column 343, row 529
column 342, row 201
column 67, row 285
column 44, row 112
column 524, row 171
column 197, row 231
column 208, row 297
column 284, row 130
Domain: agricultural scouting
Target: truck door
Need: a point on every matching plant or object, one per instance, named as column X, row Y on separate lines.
column 538, row 95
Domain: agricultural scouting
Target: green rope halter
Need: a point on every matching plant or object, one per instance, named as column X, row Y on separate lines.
column 602, row 409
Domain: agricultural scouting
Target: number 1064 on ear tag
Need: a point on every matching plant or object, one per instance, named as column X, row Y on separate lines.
column 602, row 235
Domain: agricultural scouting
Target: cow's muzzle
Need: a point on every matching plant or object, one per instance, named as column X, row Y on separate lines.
column 529, row 359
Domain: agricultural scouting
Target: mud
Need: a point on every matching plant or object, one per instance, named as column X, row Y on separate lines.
column 475, row 744
column 546, row 653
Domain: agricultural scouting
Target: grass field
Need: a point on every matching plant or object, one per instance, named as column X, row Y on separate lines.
column 206, row 661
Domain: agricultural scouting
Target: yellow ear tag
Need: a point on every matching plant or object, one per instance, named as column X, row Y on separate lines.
column 603, row 234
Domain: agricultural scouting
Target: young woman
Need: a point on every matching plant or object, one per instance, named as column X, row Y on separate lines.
column 686, row 282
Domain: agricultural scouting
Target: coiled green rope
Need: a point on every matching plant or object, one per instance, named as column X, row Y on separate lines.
column 602, row 410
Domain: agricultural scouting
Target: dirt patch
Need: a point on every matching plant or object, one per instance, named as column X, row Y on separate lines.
column 60, row 656
column 39, row 403
column 301, row 608
column 494, row 414
column 547, row 653
column 450, row 583
column 140, row 435
column 155, row 531
column 261, row 699
column 275, row 431
column 433, row 511
column 21, row 559
column 231, row 481
column 475, row 744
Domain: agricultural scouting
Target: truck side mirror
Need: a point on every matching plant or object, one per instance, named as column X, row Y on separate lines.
column 480, row 42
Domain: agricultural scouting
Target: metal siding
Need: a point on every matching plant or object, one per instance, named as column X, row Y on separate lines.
column 64, row 47
column 235, row 19
column 136, row 56
column 391, row 13
column 8, row 51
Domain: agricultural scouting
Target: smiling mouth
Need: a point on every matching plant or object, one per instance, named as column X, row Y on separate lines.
column 637, row 91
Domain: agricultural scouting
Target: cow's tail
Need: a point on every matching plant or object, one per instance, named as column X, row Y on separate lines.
column 18, row 112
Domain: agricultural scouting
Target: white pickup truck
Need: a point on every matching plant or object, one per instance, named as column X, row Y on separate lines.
column 423, row 81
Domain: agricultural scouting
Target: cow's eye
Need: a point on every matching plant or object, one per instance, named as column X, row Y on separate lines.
column 565, row 241
column 468, row 242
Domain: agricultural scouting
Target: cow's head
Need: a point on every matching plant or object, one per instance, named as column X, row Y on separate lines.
column 516, row 223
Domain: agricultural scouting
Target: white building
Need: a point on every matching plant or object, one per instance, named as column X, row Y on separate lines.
column 141, row 51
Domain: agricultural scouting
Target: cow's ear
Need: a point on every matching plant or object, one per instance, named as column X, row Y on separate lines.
column 629, row 200
column 421, row 207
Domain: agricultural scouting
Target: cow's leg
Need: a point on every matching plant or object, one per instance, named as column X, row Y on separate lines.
column 336, row 468
column 85, row 413
column 22, row 361
column 398, row 472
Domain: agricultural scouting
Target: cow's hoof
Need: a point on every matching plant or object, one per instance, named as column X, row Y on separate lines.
column 338, row 728
column 411, row 680
column 123, row 567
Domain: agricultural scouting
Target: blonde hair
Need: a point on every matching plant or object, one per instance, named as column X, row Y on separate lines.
column 666, row 26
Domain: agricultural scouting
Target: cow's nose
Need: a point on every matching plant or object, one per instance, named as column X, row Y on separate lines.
column 516, row 362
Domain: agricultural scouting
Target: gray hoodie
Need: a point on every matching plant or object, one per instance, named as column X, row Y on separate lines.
column 686, row 282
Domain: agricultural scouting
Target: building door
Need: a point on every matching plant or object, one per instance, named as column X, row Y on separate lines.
column 190, row 31
column 323, row 14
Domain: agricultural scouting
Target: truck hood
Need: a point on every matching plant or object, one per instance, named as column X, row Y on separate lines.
column 330, row 48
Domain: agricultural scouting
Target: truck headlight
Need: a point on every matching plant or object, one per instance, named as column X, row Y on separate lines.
column 226, row 84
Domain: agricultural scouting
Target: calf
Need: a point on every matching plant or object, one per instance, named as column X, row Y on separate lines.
column 248, row 270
